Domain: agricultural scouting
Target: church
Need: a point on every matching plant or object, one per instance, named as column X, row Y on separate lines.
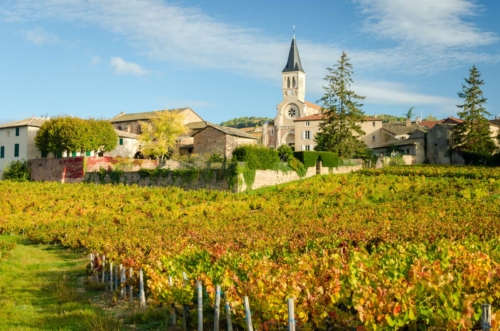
column 297, row 120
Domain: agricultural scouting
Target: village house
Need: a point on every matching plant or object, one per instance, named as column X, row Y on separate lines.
column 216, row 139
column 17, row 141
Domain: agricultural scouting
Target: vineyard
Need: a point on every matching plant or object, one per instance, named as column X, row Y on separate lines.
column 403, row 248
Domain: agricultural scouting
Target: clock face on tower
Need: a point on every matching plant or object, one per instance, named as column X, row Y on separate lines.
column 290, row 92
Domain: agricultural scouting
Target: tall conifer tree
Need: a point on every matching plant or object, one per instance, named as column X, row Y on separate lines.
column 473, row 135
column 341, row 129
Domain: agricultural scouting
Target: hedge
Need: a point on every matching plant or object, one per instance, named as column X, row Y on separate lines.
column 257, row 157
column 309, row 158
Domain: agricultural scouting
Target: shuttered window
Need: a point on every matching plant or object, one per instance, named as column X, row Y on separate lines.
column 17, row 132
column 2, row 152
column 16, row 150
column 121, row 141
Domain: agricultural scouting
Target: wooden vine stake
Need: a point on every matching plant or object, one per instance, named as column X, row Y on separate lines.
column 103, row 268
column 185, row 311
column 174, row 317
column 131, row 287
column 217, row 308
column 122, row 282
column 291, row 315
column 486, row 318
column 248, row 315
column 117, row 277
column 228, row 317
column 111, row 276
column 142, row 295
column 200, row 306
column 92, row 267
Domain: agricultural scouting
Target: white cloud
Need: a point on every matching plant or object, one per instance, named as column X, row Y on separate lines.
column 95, row 60
column 123, row 67
column 39, row 36
column 193, row 39
column 438, row 23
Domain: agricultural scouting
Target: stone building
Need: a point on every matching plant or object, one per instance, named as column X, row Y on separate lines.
column 17, row 141
column 216, row 139
column 297, row 120
column 397, row 131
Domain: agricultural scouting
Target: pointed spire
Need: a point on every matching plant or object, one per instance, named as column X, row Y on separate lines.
column 293, row 63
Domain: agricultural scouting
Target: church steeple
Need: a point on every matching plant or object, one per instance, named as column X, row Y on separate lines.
column 293, row 63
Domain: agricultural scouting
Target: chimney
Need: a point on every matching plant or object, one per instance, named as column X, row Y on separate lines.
column 417, row 120
column 375, row 116
column 408, row 122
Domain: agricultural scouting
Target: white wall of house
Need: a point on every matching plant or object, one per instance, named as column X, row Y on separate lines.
column 25, row 140
column 126, row 147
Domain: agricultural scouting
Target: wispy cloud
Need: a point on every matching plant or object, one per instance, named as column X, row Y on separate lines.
column 122, row 67
column 426, row 22
column 189, row 37
column 95, row 60
column 39, row 36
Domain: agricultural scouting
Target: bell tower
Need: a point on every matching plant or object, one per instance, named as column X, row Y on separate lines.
column 294, row 76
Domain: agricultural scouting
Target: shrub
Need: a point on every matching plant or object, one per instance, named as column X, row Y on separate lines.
column 17, row 171
column 309, row 158
column 285, row 153
column 257, row 157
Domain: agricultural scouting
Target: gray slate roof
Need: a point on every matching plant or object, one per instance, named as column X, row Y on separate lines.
column 401, row 142
column 123, row 134
column 122, row 117
column 32, row 121
column 226, row 130
column 293, row 63
column 399, row 128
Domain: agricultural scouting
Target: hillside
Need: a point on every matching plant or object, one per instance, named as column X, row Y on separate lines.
column 245, row 122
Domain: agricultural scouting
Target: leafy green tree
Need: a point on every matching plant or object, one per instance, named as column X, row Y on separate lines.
column 73, row 134
column 160, row 135
column 473, row 134
column 285, row 153
column 430, row 118
column 409, row 113
column 341, row 129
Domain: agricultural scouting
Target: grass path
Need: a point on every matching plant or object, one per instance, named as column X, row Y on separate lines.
column 41, row 288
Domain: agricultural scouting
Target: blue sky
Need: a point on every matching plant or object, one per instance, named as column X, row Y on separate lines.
column 96, row 58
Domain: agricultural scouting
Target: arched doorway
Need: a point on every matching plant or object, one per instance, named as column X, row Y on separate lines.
column 289, row 140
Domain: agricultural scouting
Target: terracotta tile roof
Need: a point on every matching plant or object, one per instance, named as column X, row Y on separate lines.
column 32, row 121
column 429, row 124
column 319, row 117
column 312, row 105
column 122, row 117
column 452, row 120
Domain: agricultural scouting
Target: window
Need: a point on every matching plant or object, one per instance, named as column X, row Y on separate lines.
column 306, row 135
column 294, row 83
column 8, row 134
column 288, row 82
column 17, row 132
column 119, row 128
column 272, row 132
column 16, row 150
column 121, row 141
column 139, row 129
column 306, row 147
column 2, row 152
column 373, row 138
column 373, row 123
column 308, row 123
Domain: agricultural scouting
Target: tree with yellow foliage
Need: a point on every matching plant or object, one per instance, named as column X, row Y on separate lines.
column 160, row 135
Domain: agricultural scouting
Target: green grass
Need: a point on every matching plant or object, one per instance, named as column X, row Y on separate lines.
column 42, row 288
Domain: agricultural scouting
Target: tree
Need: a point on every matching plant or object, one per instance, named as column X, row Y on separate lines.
column 160, row 135
column 473, row 134
column 409, row 113
column 340, row 129
column 72, row 134
column 430, row 118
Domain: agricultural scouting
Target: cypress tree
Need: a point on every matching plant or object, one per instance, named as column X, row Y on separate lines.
column 473, row 134
column 341, row 129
